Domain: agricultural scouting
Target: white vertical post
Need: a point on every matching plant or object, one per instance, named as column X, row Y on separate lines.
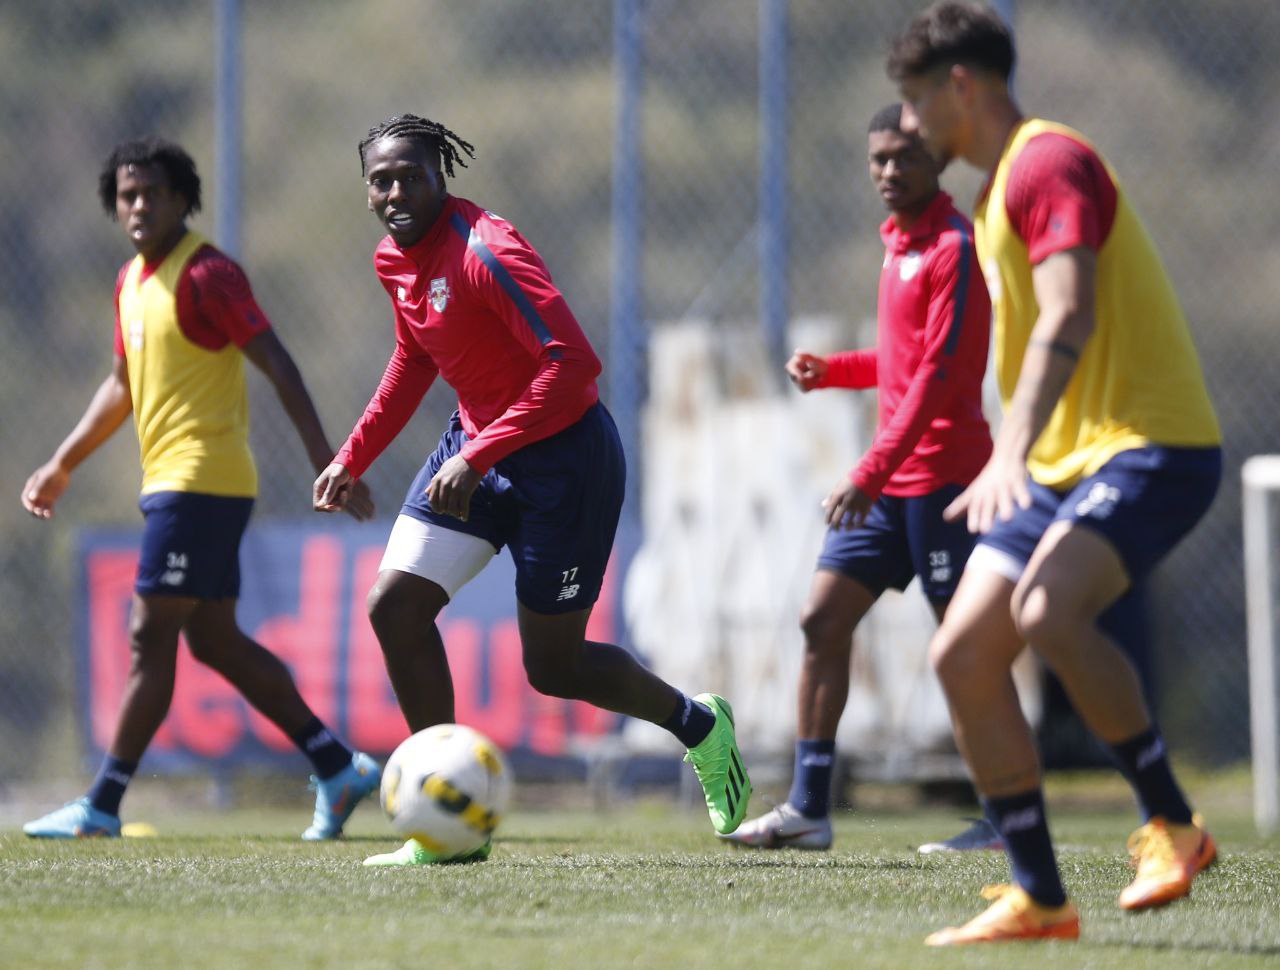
column 1261, row 476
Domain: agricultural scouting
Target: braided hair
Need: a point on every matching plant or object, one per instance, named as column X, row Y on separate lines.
column 443, row 144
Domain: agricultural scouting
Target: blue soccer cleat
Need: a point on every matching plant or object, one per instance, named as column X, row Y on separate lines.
column 978, row 837
column 337, row 797
column 75, row 820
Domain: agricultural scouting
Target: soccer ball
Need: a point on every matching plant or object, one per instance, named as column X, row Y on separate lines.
column 447, row 787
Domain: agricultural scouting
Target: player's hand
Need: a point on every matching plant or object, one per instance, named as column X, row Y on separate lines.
column 359, row 503
column 847, row 506
column 998, row 491
column 450, row 491
column 335, row 488
column 806, row 370
column 44, row 488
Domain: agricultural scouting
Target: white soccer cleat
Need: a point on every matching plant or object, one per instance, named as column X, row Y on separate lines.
column 783, row 828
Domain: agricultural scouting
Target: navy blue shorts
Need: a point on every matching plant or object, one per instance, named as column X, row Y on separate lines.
column 1143, row 501
column 899, row 539
column 554, row 503
column 191, row 545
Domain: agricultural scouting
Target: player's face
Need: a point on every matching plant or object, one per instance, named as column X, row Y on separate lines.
column 904, row 173
column 930, row 110
column 406, row 189
column 152, row 213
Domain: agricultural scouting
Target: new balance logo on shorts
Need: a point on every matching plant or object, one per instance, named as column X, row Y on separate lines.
column 570, row 589
column 939, row 566
column 177, row 571
column 1100, row 502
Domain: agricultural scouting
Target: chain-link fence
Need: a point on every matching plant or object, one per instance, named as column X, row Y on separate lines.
column 1175, row 92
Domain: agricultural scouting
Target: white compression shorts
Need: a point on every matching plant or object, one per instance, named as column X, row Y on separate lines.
column 997, row 561
column 449, row 559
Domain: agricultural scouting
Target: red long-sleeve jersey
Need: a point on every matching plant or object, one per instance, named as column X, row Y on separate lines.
column 475, row 304
column 934, row 326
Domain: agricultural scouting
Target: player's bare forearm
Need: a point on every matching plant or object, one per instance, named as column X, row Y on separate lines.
column 1044, row 377
column 1064, row 287
column 354, row 497
column 269, row 355
column 109, row 408
column 298, row 405
column 1047, row 366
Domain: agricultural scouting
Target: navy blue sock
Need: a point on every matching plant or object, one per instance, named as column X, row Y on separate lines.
column 1021, row 821
column 108, row 788
column 811, row 777
column 690, row 722
column 327, row 754
column 1144, row 761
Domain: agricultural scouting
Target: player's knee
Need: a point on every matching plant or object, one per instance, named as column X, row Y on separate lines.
column 953, row 657
column 150, row 645
column 1043, row 621
column 824, row 631
column 206, row 645
column 551, row 675
column 390, row 608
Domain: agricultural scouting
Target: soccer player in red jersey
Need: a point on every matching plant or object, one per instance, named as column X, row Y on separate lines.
column 530, row 460
column 885, row 523
column 1108, row 454
column 185, row 320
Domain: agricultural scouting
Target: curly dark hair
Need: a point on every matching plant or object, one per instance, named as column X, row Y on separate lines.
column 953, row 32
column 177, row 165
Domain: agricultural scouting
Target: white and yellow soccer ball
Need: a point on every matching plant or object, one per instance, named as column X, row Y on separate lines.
column 448, row 787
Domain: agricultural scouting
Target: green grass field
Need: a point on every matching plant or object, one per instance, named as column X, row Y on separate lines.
column 645, row 886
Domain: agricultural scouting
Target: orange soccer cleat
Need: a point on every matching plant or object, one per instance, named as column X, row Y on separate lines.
column 1012, row 915
column 1168, row 857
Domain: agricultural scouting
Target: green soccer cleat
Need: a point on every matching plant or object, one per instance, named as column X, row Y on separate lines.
column 718, row 764
column 414, row 853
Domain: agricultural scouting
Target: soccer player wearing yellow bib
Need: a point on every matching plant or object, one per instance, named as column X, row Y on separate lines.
column 185, row 320
column 1107, row 456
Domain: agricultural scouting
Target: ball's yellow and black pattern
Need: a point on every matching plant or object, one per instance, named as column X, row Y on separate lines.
column 448, row 787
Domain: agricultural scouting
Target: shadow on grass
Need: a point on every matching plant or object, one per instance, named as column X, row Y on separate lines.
column 1244, row 949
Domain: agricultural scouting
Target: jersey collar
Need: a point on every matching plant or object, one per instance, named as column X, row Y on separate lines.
column 930, row 223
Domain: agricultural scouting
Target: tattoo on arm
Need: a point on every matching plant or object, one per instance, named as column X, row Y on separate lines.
column 1059, row 347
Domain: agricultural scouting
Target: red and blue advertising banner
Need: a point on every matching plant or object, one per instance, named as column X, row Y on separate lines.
column 302, row 596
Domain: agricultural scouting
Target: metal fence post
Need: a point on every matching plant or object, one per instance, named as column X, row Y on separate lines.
column 228, row 126
column 627, row 331
column 774, row 188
